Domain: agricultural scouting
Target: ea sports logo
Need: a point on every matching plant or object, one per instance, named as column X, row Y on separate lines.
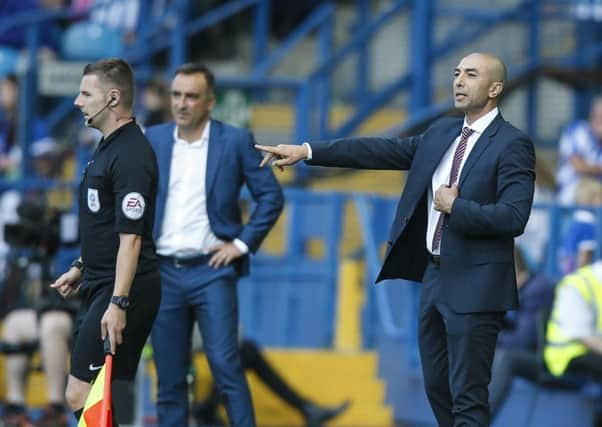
column 133, row 205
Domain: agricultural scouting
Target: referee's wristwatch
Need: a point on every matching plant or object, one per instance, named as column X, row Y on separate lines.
column 78, row 264
column 121, row 301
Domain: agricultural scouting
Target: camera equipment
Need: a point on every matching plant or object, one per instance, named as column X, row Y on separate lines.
column 38, row 228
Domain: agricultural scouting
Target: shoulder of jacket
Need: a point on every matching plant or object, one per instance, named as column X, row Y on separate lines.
column 230, row 130
column 156, row 130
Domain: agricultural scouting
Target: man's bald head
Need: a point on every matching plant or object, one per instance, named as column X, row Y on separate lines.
column 492, row 65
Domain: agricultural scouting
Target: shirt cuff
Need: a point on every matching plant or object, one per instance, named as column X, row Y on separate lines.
column 309, row 152
column 242, row 246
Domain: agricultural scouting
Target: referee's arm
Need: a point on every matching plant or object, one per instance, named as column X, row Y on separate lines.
column 114, row 320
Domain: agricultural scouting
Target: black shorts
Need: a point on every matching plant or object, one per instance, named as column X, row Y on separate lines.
column 87, row 353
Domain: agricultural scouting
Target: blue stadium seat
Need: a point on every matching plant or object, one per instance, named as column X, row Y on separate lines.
column 8, row 61
column 85, row 41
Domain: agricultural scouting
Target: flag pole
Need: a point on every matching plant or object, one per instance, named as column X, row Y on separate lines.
column 106, row 419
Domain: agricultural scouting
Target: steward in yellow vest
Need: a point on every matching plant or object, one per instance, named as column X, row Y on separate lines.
column 574, row 330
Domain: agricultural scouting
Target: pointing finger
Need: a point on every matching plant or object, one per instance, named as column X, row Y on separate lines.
column 267, row 148
column 266, row 159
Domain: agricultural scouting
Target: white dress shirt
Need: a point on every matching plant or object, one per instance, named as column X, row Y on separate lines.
column 186, row 231
column 441, row 175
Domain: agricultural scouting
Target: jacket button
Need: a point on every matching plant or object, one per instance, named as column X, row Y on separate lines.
column 389, row 242
column 406, row 220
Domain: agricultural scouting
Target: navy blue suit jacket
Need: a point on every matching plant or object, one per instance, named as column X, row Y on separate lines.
column 495, row 197
column 232, row 161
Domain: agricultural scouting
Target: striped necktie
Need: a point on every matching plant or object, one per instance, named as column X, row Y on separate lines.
column 453, row 177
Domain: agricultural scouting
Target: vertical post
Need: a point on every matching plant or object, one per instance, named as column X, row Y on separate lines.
column 583, row 37
column 302, row 123
column 261, row 29
column 261, row 32
column 27, row 100
column 325, row 80
column 363, row 60
column 145, row 23
column 555, row 213
column 178, row 52
column 533, row 22
column 422, row 20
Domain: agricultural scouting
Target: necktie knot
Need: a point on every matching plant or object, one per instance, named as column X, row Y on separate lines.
column 466, row 132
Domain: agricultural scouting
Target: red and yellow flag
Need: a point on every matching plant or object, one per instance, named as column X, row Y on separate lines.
column 97, row 410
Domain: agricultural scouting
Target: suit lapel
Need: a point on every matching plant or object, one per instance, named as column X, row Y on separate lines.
column 448, row 136
column 480, row 147
column 214, row 153
column 164, row 158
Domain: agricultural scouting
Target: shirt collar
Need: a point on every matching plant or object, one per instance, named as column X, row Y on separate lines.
column 482, row 122
column 204, row 137
column 106, row 141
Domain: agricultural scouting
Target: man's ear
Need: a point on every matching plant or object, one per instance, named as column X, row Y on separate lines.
column 114, row 97
column 496, row 89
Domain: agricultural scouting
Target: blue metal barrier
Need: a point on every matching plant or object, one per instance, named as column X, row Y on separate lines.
column 290, row 299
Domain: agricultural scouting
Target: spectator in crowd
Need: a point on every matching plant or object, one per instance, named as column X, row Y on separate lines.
column 10, row 152
column 23, row 329
column 580, row 153
column 579, row 243
column 36, row 314
column 156, row 103
column 121, row 15
column 252, row 359
column 516, row 353
column 573, row 338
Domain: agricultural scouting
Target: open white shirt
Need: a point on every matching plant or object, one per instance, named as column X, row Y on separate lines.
column 186, row 230
column 441, row 175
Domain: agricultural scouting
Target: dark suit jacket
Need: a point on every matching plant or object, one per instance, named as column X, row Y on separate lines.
column 495, row 197
column 232, row 162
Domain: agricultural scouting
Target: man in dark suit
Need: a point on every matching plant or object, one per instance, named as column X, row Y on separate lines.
column 202, row 243
column 468, row 193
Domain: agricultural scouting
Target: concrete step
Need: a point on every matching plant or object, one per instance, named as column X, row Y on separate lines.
column 324, row 377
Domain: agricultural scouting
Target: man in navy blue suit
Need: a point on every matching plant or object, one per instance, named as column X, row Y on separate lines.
column 202, row 243
column 468, row 193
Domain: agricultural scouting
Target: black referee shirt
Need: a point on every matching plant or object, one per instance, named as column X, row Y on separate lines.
column 117, row 195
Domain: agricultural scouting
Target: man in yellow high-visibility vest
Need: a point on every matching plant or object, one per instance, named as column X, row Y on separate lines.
column 574, row 332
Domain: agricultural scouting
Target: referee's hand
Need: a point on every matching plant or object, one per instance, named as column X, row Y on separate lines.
column 68, row 283
column 112, row 324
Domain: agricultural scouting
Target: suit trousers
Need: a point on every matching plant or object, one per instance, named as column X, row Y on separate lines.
column 208, row 296
column 456, row 351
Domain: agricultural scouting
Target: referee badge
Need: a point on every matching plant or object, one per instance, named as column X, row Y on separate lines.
column 133, row 205
column 93, row 200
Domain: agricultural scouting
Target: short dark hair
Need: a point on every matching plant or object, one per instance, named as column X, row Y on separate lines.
column 11, row 78
column 198, row 68
column 115, row 72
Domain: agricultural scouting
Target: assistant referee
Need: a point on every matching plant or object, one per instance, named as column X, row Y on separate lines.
column 121, row 288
